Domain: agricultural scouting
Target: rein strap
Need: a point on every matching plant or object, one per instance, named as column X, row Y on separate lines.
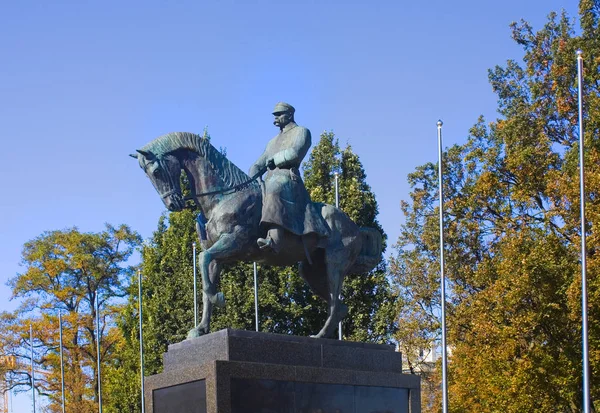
column 227, row 191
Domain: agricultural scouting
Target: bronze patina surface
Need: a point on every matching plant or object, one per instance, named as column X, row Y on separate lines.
column 273, row 222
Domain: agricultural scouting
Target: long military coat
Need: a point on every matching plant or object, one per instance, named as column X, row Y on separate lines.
column 286, row 201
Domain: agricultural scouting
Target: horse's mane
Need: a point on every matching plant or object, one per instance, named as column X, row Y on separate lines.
column 171, row 142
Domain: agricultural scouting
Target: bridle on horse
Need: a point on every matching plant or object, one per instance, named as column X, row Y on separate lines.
column 194, row 197
column 173, row 189
column 231, row 190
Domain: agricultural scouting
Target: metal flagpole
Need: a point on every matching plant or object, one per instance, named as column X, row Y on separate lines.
column 256, row 295
column 98, row 353
column 584, row 305
column 442, row 276
column 337, row 190
column 62, row 367
column 141, row 338
column 195, row 289
column 337, row 205
column 32, row 377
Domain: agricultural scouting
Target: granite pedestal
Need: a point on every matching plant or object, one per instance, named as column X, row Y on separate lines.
column 234, row 371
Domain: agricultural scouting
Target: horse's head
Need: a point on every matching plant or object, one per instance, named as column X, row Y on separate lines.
column 164, row 172
column 208, row 170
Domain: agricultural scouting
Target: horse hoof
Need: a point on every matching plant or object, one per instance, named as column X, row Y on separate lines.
column 219, row 300
column 193, row 333
column 196, row 332
column 320, row 334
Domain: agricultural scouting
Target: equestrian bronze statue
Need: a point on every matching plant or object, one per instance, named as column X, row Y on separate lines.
column 243, row 218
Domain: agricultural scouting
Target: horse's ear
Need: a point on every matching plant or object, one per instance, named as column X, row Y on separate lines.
column 133, row 155
column 147, row 154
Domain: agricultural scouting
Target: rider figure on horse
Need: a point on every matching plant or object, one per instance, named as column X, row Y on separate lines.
column 286, row 202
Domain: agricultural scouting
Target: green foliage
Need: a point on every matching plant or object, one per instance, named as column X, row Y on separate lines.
column 512, row 236
column 286, row 304
column 167, row 287
column 66, row 271
column 368, row 296
column 320, row 168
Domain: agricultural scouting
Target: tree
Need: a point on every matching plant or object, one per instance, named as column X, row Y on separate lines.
column 167, row 288
column 512, row 236
column 66, row 271
column 368, row 296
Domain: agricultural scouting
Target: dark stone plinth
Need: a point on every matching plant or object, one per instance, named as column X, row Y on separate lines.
column 250, row 346
column 244, row 371
column 187, row 397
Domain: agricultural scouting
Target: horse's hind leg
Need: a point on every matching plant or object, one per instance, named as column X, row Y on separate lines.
column 315, row 275
column 334, row 267
column 210, row 268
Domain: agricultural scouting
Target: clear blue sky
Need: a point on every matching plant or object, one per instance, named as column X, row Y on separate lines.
column 83, row 84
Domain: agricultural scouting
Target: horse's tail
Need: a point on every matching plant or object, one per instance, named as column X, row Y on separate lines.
column 370, row 252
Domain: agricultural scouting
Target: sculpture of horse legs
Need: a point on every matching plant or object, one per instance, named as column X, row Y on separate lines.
column 326, row 274
column 210, row 268
column 325, row 277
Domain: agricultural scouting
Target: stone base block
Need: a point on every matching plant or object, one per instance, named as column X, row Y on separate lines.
column 233, row 371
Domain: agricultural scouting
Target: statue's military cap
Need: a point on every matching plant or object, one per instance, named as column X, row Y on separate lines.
column 283, row 107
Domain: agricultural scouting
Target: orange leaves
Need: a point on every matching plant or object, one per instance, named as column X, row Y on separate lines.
column 512, row 236
column 66, row 270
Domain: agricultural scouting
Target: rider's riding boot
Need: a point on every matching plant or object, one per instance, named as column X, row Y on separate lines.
column 273, row 240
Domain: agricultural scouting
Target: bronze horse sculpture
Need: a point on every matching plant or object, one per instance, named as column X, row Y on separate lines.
column 228, row 226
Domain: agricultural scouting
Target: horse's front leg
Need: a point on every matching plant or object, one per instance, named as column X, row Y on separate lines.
column 210, row 268
column 207, row 305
